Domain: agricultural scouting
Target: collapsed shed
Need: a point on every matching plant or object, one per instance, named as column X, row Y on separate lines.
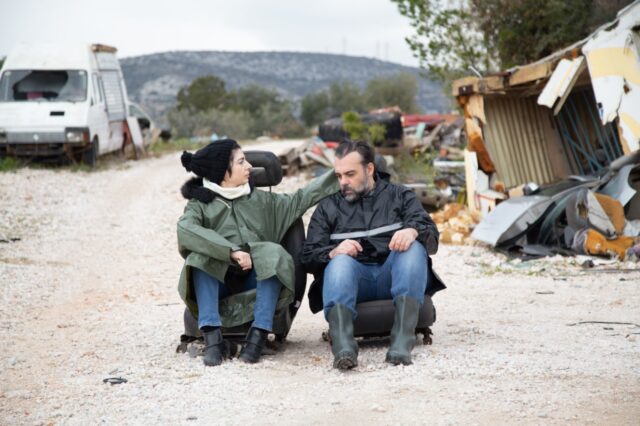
column 571, row 113
column 550, row 129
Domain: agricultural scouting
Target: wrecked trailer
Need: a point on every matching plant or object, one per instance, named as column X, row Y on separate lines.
column 570, row 116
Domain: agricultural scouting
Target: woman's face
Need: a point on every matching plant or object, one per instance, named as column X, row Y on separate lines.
column 240, row 170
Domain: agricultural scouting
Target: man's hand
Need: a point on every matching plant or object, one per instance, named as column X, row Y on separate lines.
column 243, row 259
column 348, row 247
column 402, row 239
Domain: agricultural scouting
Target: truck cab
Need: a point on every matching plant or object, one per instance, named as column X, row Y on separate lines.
column 62, row 101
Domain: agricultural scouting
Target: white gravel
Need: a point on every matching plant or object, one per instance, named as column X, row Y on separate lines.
column 89, row 292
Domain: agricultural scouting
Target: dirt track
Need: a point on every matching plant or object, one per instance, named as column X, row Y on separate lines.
column 89, row 291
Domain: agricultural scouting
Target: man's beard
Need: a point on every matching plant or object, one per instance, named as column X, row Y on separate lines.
column 355, row 193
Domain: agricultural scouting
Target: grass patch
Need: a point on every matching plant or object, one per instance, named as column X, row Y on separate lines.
column 79, row 167
column 62, row 164
column 9, row 164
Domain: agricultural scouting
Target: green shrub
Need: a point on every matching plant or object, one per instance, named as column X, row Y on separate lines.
column 9, row 164
column 354, row 126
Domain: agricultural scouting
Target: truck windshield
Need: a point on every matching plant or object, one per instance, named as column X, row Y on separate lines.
column 37, row 85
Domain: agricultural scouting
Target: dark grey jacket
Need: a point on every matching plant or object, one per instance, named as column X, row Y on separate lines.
column 374, row 219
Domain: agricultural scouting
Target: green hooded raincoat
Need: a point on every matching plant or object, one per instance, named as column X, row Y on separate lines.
column 208, row 232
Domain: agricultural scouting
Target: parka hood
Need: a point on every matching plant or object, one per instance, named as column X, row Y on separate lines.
column 193, row 189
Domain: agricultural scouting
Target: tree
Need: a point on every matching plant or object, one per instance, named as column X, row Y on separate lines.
column 315, row 108
column 524, row 31
column 344, row 96
column 358, row 130
column 203, row 94
column 354, row 126
column 205, row 107
column 445, row 43
column 185, row 123
column 455, row 38
column 253, row 97
column 269, row 113
column 340, row 97
column 276, row 120
column 397, row 90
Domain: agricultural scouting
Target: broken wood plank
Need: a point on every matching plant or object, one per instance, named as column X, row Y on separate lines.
column 530, row 73
column 458, row 85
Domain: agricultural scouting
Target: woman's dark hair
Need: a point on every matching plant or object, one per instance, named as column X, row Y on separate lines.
column 363, row 148
column 232, row 157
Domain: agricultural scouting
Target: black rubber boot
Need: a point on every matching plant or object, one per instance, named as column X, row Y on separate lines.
column 403, row 332
column 215, row 348
column 255, row 341
column 343, row 344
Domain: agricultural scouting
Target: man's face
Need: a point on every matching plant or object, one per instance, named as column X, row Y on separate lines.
column 354, row 178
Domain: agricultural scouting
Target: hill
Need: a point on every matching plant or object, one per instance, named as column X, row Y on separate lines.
column 153, row 80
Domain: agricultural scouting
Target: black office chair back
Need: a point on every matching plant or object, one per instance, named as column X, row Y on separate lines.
column 266, row 170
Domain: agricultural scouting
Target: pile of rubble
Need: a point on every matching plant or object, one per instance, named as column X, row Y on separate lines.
column 455, row 223
column 441, row 133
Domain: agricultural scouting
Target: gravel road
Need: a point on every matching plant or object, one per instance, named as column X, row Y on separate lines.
column 89, row 292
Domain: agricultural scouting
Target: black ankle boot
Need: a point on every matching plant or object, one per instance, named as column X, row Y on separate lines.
column 215, row 349
column 255, row 341
column 343, row 344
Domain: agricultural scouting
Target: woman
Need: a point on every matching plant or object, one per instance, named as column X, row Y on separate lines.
column 226, row 222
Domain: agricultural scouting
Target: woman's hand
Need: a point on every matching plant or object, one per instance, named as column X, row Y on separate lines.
column 243, row 259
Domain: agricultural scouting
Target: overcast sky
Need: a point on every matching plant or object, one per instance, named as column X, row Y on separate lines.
column 371, row 28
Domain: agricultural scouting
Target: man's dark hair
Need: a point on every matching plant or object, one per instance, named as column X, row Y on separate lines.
column 363, row 148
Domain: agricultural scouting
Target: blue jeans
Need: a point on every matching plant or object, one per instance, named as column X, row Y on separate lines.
column 209, row 291
column 347, row 281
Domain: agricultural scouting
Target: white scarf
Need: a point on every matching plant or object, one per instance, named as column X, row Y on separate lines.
column 228, row 193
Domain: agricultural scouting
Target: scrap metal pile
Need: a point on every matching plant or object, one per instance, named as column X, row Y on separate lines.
column 442, row 133
column 595, row 215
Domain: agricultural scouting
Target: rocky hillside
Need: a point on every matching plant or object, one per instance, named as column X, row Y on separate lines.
column 153, row 80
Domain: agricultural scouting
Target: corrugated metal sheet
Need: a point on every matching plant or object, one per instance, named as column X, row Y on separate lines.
column 107, row 61
column 113, row 93
column 589, row 145
column 515, row 138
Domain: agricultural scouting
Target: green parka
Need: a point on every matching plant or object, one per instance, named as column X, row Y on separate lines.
column 212, row 227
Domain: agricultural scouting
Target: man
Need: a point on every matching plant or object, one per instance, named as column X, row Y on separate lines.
column 369, row 242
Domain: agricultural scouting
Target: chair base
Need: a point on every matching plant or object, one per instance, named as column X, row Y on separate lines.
column 375, row 318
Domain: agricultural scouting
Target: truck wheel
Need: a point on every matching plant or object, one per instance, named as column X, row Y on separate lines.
column 90, row 155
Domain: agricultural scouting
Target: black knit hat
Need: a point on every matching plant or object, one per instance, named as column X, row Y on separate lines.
column 212, row 161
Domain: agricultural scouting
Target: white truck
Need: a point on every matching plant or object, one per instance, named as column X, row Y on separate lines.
column 63, row 101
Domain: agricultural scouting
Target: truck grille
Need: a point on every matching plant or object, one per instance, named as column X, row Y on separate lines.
column 35, row 137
